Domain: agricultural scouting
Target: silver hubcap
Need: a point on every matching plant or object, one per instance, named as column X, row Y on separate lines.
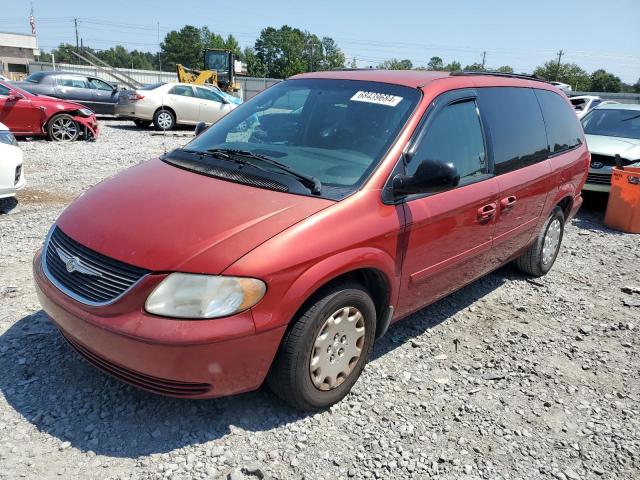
column 164, row 120
column 64, row 129
column 551, row 241
column 337, row 348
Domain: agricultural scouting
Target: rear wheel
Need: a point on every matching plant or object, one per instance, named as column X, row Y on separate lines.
column 325, row 350
column 63, row 128
column 541, row 256
column 142, row 123
column 164, row 119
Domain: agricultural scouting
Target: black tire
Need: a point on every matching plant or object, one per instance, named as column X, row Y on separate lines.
column 63, row 128
column 532, row 261
column 290, row 377
column 142, row 123
column 164, row 119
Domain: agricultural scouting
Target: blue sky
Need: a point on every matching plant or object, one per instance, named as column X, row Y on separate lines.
column 516, row 33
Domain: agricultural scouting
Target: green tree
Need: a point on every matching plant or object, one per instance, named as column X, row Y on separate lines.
column 184, row 46
column 255, row 67
column 435, row 63
column 474, row 67
column 282, row 51
column 395, row 64
column 453, row 67
column 332, row 56
column 569, row 73
column 603, row 81
column 504, row 69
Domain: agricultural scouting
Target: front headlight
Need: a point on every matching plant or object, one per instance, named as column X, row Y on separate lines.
column 186, row 295
column 85, row 112
column 8, row 138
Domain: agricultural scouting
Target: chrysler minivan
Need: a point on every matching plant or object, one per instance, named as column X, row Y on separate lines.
column 283, row 240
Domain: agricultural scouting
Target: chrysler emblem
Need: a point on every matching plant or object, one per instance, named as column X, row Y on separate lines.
column 597, row 165
column 74, row 264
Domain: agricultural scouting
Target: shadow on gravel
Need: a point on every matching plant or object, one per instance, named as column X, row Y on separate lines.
column 133, row 127
column 43, row 379
column 591, row 214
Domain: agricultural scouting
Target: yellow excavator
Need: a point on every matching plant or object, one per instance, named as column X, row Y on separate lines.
column 221, row 68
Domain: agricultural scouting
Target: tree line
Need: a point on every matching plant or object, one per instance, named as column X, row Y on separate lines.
column 285, row 51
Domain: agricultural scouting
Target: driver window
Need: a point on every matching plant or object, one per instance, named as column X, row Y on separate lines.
column 455, row 135
column 99, row 84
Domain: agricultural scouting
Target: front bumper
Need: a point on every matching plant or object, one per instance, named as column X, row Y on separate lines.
column 8, row 169
column 178, row 358
column 89, row 125
column 598, row 180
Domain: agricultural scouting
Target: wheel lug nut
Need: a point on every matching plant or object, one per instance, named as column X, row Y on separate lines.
column 341, row 352
column 343, row 339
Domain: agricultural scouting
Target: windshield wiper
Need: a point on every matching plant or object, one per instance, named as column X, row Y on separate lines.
column 314, row 184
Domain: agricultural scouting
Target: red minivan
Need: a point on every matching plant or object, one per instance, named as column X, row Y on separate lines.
column 282, row 241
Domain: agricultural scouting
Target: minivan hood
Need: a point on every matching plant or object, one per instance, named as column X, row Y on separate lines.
column 628, row 148
column 163, row 218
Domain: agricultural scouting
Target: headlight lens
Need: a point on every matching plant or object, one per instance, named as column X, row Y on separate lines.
column 185, row 295
column 8, row 138
column 85, row 112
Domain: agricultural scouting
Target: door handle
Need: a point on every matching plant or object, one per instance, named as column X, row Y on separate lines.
column 487, row 212
column 507, row 203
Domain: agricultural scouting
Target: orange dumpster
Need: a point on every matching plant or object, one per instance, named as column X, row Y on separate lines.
column 623, row 209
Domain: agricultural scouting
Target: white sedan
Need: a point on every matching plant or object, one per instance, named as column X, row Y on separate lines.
column 11, row 175
column 171, row 104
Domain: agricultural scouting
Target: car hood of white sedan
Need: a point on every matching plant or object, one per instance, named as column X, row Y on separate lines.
column 628, row 148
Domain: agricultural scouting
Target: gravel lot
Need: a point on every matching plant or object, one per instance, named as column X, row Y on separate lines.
column 508, row 378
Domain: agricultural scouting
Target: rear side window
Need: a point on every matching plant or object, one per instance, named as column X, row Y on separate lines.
column 182, row 90
column 563, row 127
column 516, row 127
column 455, row 136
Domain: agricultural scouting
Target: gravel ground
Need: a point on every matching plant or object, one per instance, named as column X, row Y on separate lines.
column 507, row 378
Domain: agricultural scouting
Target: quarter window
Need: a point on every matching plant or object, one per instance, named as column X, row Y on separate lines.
column 563, row 127
column 182, row 90
column 455, row 135
column 516, row 127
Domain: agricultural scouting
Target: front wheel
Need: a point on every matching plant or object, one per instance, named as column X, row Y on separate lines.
column 541, row 256
column 326, row 348
column 63, row 128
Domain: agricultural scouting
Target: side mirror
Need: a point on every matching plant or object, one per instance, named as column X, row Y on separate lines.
column 200, row 127
column 431, row 176
column 14, row 96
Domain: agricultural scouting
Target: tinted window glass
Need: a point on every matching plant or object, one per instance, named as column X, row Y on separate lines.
column 207, row 94
column 455, row 135
column 613, row 123
column 100, row 85
column 4, row 90
column 182, row 90
column 35, row 77
column 74, row 82
column 516, row 127
column 563, row 127
column 152, row 86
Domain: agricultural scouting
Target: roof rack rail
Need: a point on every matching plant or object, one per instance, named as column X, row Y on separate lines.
column 502, row 74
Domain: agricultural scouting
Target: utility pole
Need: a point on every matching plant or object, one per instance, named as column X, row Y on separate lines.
column 75, row 21
column 560, row 53
column 311, row 59
column 484, row 57
column 159, row 57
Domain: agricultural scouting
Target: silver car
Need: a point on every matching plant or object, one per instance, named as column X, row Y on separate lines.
column 609, row 130
column 171, row 104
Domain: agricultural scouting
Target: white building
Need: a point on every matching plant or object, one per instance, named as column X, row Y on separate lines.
column 16, row 51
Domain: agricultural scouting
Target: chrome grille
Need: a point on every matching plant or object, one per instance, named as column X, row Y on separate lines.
column 599, row 178
column 85, row 275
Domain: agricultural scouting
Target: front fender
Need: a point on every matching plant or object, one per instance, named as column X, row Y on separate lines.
column 285, row 297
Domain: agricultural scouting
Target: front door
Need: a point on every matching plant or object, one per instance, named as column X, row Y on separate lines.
column 212, row 107
column 448, row 235
column 16, row 113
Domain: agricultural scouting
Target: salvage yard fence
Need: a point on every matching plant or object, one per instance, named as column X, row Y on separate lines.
column 250, row 86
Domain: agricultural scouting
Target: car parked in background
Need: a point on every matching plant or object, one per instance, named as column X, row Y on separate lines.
column 91, row 92
column 562, row 86
column 29, row 115
column 282, row 241
column 171, row 104
column 611, row 129
column 12, row 176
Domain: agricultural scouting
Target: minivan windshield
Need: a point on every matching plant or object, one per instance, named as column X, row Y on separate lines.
column 334, row 131
column 611, row 122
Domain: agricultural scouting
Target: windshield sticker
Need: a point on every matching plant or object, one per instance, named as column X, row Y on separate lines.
column 375, row 97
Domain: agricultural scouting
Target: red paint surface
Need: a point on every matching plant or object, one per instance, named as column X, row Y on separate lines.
column 165, row 219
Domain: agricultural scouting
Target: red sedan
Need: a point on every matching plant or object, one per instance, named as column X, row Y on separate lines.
column 31, row 115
